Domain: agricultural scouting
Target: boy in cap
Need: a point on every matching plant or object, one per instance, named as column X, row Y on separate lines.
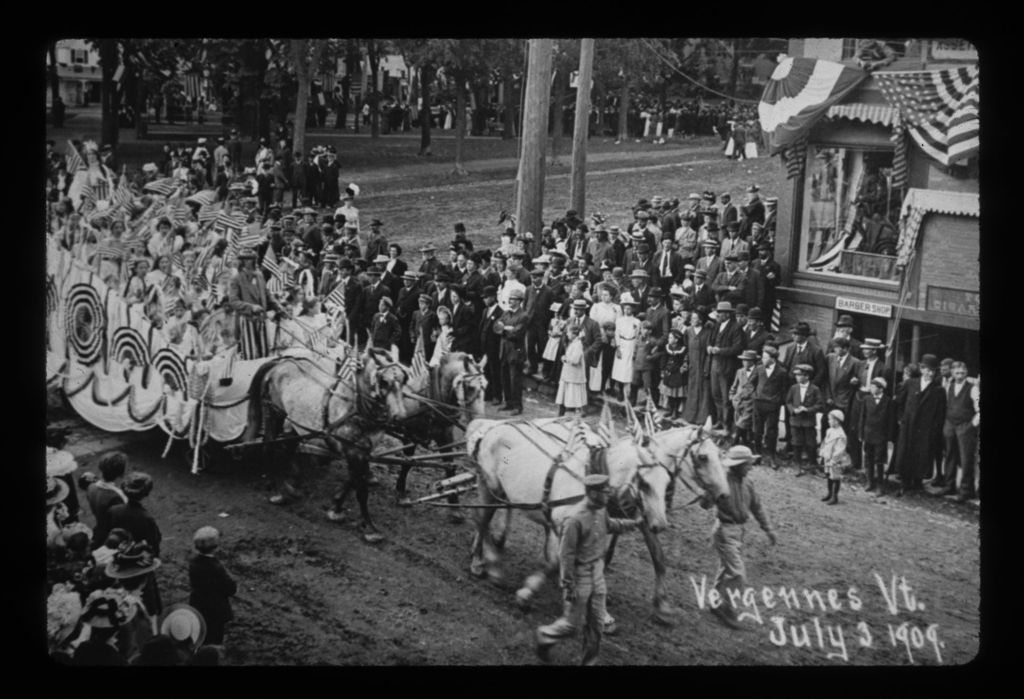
column 581, row 555
column 211, row 586
column 727, row 533
column 803, row 402
column 876, row 425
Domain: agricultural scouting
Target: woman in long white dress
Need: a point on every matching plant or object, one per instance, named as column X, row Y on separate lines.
column 604, row 312
column 627, row 331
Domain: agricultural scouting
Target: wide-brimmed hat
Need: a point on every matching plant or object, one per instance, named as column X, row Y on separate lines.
column 771, row 349
column 639, row 272
column 872, row 343
column 753, row 189
column 655, row 292
column 742, row 309
column 183, row 623
column 738, row 455
column 844, row 321
column 411, row 276
column 56, row 490
column 803, row 369
column 749, row 355
column 755, row 314
column 628, row 300
column 880, row 382
column 677, row 291
column 802, row 328
column 837, row 414
column 724, row 306
column 428, row 248
column 381, row 260
column 581, row 304
column 132, row 560
column 59, row 462
column 929, row 361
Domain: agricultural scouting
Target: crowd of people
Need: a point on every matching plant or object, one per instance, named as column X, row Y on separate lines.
column 678, row 303
column 104, row 603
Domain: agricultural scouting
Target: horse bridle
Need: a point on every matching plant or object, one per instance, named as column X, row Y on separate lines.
column 676, row 472
column 459, row 383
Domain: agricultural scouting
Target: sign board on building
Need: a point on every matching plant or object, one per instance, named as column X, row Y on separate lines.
column 958, row 301
column 882, row 310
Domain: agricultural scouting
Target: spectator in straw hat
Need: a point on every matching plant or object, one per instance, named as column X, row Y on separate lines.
column 102, row 617
column 132, row 570
column 211, row 585
column 832, row 455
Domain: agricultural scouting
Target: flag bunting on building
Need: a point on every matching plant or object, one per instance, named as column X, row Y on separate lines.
column 800, row 92
column 939, row 109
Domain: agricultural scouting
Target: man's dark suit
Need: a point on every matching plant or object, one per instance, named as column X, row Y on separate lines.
column 703, row 296
column 724, row 281
column 513, row 356
column 753, row 290
column 463, row 325
column 864, row 376
column 538, row 308
column 675, row 269
column 875, row 428
column 353, row 308
column 728, row 338
column 490, row 347
column 839, row 389
column 371, row 305
column 752, row 213
column 756, row 340
column 393, row 278
column 211, row 586
column 769, row 396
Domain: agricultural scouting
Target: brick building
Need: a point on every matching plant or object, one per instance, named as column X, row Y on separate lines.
column 918, row 287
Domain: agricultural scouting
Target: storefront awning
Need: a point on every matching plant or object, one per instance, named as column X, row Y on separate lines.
column 871, row 113
column 919, row 202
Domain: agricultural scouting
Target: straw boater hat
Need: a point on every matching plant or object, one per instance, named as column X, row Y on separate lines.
column 56, row 490
column 628, row 300
column 872, row 343
column 131, row 561
column 381, row 260
column 184, row 623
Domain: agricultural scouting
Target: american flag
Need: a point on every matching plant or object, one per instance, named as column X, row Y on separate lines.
column 349, row 366
column 649, row 417
column 122, row 195
column 270, row 263
column 249, row 239
column 605, row 427
column 170, row 301
column 419, row 363
column 88, row 198
column 336, row 298
column 794, row 158
column 939, row 108
column 635, row 426
column 208, row 214
column 577, row 435
column 73, row 159
column 206, row 197
column 166, row 186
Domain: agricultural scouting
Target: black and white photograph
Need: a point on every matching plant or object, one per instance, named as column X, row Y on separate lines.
column 528, row 352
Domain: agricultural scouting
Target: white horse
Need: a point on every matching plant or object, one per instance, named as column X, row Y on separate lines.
column 522, row 464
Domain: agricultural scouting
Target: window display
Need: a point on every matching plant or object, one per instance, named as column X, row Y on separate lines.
column 850, row 210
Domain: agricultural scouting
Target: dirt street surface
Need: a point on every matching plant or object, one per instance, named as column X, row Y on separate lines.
column 311, row 593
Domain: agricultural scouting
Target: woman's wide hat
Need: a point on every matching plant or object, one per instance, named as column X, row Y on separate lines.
column 132, row 560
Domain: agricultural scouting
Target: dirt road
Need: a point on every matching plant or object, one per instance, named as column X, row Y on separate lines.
column 310, row 592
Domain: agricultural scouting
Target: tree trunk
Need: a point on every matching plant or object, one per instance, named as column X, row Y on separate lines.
column 460, row 121
column 248, row 106
column 530, row 204
column 141, row 115
column 735, row 73
column 577, row 182
column 108, row 91
column 624, row 110
column 426, row 78
column 52, row 73
column 373, row 95
column 510, row 117
column 557, row 108
column 301, row 109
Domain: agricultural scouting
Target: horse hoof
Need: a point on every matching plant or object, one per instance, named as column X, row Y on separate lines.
column 477, row 570
column 333, row 516
column 524, row 598
column 611, row 629
column 372, row 536
column 404, row 501
column 666, row 616
column 277, row 499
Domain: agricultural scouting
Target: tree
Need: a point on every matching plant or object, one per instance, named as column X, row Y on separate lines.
column 565, row 58
column 304, row 57
column 373, row 51
column 109, row 61
column 623, row 63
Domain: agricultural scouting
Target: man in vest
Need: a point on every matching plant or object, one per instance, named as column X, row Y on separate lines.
column 960, row 434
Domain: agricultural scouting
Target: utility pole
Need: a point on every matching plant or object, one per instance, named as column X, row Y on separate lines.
column 530, row 203
column 580, row 132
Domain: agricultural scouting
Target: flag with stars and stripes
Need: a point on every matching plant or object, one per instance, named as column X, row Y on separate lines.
column 349, row 366
column 649, row 425
column 122, row 195
column 336, row 299
column 605, row 426
column 636, row 427
column 419, row 363
column 166, row 186
column 206, row 197
column 88, row 198
column 939, row 109
column 73, row 159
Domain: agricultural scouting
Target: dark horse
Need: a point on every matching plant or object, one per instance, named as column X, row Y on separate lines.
column 435, row 402
column 308, row 394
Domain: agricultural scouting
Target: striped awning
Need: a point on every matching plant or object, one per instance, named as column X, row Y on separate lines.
column 871, row 113
column 919, row 202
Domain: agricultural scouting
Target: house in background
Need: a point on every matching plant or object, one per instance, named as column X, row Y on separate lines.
column 898, row 251
column 78, row 73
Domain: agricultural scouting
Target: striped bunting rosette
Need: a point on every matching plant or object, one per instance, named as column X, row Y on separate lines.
column 799, row 92
column 166, row 186
column 939, row 109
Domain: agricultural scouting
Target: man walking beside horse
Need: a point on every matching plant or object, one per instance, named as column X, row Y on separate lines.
column 583, row 546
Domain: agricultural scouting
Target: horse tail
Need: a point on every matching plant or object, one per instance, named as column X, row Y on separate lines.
column 256, row 400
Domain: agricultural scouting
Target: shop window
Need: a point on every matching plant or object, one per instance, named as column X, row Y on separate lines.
column 79, row 56
column 850, row 214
